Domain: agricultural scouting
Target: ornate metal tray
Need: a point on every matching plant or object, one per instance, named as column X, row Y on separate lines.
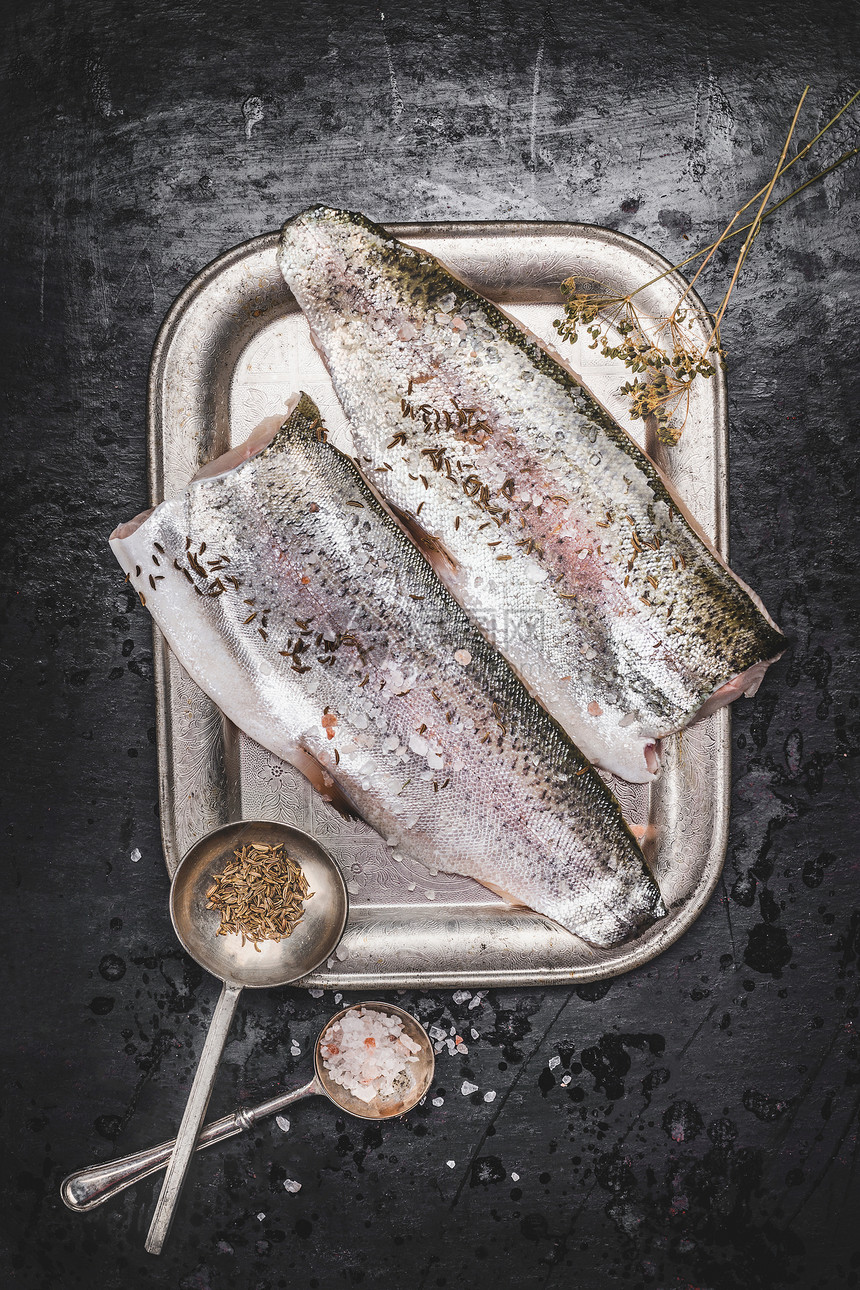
column 232, row 349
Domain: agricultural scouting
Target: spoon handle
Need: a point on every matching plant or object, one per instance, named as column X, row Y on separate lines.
column 90, row 1187
column 192, row 1119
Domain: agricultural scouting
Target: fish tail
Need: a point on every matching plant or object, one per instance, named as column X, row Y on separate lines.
column 304, row 424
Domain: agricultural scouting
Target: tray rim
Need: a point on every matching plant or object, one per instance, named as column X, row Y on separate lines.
column 636, row 954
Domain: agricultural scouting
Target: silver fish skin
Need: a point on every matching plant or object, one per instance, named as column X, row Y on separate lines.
column 296, row 602
column 563, row 540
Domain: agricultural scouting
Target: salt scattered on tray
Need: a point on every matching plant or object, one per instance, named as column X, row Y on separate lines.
column 368, row 1053
column 291, row 1185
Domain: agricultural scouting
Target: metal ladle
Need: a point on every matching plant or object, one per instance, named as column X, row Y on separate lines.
column 90, row 1187
column 238, row 965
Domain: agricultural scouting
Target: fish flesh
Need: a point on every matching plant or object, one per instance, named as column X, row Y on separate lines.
column 547, row 523
column 300, row 607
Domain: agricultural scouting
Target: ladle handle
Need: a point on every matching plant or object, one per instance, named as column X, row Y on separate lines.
column 195, row 1110
column 90, row 1187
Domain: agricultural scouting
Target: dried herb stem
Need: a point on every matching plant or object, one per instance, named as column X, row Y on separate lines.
column 726, row 236
column 755, row 226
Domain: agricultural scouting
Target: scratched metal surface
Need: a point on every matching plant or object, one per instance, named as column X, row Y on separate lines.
column 231, row 351
column 690, row 1123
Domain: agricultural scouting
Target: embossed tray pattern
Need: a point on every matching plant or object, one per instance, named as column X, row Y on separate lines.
column 232, row 349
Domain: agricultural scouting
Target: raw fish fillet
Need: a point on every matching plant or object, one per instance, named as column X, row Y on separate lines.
column 300, row 607
column 551, row 527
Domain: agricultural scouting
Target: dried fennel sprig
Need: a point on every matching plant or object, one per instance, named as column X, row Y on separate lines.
column 664, row 355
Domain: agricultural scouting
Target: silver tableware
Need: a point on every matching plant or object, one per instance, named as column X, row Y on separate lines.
column 239, row 964
column 233, row 347
column 88, row 1188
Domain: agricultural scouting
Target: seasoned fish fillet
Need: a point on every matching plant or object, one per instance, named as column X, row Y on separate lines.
column 558, row 534
column 295, row 601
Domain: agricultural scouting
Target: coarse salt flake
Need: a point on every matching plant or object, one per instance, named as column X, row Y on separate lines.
column 466, row 1088
column 368, row 1053
column 451, row 1164
column 491, row 1096
column 291, row 1185
column 283, row 1123
column 553, row 1062
column 438, row 1101
column 515, row 1177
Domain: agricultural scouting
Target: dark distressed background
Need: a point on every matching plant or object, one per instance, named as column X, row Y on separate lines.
column 708, row 1135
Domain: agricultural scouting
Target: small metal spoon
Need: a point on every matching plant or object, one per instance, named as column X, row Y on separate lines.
column 239, row 965
column 90, row 1187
